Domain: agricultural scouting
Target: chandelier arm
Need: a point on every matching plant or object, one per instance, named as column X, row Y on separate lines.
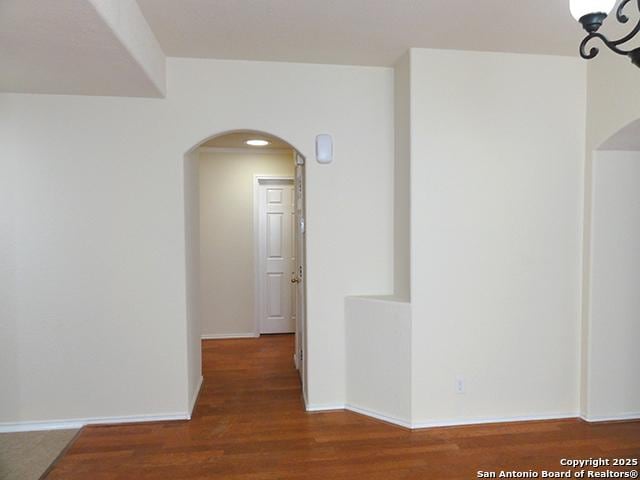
column 592, row 52
column 622, row 18
column 631, row 34
column 593, row 21
column 595, row 50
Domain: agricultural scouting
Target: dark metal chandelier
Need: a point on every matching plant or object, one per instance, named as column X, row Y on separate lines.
column 591, row 14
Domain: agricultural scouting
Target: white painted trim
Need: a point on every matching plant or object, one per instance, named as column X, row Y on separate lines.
column 222, row 336
column 325, row 407
column 301, row 341
column 439, row 423
column 256, row 256
column 361, row 411
column 487, row 420
column 257, row 264
column 612, row 418
column 81, row 422
column 78, row 423
column 378, row 416
column 194, row 399
column 245, row 151
column 271, row 178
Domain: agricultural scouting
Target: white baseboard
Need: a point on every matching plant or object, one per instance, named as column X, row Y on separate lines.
column 438, row 423
column 487, row 420
column 326, row 407
column 611, row 418
column 455, row 422
column 222, row 336
column 379, row 416
column 81, row 422
column 196, row 394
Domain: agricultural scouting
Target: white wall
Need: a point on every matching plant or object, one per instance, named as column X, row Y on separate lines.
column 193, row 268
column 99, row 327
column 99, row 319
column 614, row 360
column 496, row 206
column 227, row 238
column 379, row 357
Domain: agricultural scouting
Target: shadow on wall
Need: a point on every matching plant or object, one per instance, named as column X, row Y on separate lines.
column 612, row 360
column 625, row 139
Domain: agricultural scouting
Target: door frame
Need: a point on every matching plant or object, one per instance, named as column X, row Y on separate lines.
column 300, row 356
column 258, row 293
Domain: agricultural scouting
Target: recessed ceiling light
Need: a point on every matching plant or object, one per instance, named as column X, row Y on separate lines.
column 257, row 143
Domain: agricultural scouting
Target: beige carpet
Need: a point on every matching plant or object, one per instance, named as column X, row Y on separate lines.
column 26, row 456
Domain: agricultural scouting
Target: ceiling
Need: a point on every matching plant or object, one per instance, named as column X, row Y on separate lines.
column 359, row 32
column 65, row 46
column 238, row 139
column 117, row 47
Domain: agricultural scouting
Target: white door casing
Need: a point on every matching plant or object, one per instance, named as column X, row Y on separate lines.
column 300, row 273
column 276, row 255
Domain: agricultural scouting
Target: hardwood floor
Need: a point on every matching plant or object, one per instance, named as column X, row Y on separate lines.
column 249, row 423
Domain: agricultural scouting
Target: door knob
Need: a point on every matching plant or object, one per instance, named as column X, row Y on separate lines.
column 294, row 279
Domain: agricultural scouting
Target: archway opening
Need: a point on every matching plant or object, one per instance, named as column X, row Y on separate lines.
column 245, row 245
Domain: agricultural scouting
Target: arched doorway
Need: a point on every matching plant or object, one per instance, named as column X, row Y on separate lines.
column 236, row 186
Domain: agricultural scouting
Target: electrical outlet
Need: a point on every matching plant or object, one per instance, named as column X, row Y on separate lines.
column 459, row 384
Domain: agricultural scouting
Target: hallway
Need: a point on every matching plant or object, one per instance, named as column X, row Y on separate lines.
column 250, row 423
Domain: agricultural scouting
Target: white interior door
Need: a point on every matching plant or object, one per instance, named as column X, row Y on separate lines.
column 299, row 277
column 276, row 255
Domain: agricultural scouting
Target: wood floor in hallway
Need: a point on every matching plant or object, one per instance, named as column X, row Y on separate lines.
column 250, row 424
